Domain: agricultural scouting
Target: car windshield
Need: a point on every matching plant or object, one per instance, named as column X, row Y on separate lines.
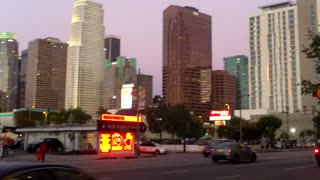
column 39, row 140
column 228, row 144
column 213, row 143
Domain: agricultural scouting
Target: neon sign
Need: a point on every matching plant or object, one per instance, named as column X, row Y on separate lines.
column 116, row 141
column 219, row 115
column 121, row 118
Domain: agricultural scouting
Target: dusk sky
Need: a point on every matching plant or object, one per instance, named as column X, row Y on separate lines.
column 137, row 22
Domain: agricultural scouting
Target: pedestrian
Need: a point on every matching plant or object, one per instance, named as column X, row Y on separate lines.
column 43, row 150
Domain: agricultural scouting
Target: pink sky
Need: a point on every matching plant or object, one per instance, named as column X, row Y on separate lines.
column 138, row 23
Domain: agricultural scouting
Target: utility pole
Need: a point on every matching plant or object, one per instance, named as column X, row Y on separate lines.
column 287, row 111
column 137, row 111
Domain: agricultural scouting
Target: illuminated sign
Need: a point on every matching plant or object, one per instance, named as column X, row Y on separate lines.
column 126, row 96
column 219, row 115
column 120, row 126
column 121, row 118
column 116, row 142
column 219, row 123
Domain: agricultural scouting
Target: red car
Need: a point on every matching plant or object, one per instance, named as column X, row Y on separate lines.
column 317, row 153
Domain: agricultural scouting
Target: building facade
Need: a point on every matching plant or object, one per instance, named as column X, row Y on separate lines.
column 238, row 65
column 145, row 95
column 46, row 74
column 123, row 71
column 22, row 79
column 112, row 47
column 187, row 55
column 86, row 56
column 224, row 90
column 9, row 61
column 276, row 62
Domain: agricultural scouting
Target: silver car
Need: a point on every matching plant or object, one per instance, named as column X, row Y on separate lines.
column 234, row 152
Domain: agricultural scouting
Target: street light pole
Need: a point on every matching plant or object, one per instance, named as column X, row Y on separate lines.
column 287, row 111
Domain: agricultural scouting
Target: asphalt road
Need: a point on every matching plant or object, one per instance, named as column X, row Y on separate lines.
column 280, row 165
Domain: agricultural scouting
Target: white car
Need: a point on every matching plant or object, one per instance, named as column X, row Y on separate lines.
column 151, row 147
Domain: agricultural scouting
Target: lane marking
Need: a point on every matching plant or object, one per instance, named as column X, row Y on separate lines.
column 298, row 167
column 174, row 172
column 228, row 177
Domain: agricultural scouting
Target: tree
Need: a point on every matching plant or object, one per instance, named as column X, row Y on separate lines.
column 306, row 133
column 250, row 131
column 284, row 135
column 101, row 111
column 316, row 123
column 79, row 115
column 268, row 125
column 313, row 53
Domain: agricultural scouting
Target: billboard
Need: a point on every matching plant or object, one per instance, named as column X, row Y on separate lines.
column 219, row 115
column 116, row 143
column 126, row 96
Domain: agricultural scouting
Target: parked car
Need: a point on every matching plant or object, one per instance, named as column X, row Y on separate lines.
column 211, row 145
column 28, row 170
column 53, row 145
column 151, row 147
column 234, row 152
column 18, row 144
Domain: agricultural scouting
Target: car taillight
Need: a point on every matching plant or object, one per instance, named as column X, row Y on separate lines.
column 229, row 150
column 316, row 151
column 212, row 149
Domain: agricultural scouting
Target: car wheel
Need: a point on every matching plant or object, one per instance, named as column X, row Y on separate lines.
column 157, row 152
column 253, row 158
column 59, row 149
column 205, row 155
column 318, row 161
column 215, row 160
column 235, row 158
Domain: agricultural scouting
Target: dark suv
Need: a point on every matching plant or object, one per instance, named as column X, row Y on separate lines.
column 53, row 145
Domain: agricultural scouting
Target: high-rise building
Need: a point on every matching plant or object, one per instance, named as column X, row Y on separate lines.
column 145, row 92
column 187, row 58
column 86, row 57
column 238, row 65
column 112, row 47
column 276, row 62
column 46, row 74
column 224, row 90
column 9, row 61
column 116, row 74
column 22, row 79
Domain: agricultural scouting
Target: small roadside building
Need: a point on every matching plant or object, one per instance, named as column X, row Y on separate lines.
column 74, row 137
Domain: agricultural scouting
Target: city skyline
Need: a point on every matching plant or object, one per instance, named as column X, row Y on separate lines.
column 229, row 26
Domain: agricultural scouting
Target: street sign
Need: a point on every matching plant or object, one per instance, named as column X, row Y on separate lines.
column 221, row 115
column 120, row 126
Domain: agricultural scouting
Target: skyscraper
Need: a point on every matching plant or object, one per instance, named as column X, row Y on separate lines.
column 145, row 96
column 22, row 79
column 46, row 74
column 123, row 71
column 224, row 90
column 276, row 62
column 85, row 61
column 112, row 47
column 238, row 65
column 187, row 58
column 9, row 61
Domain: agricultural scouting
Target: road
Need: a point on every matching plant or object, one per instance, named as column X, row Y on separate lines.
column 179, row 166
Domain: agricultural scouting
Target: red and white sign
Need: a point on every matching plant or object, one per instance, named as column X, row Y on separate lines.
column 219, row 115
